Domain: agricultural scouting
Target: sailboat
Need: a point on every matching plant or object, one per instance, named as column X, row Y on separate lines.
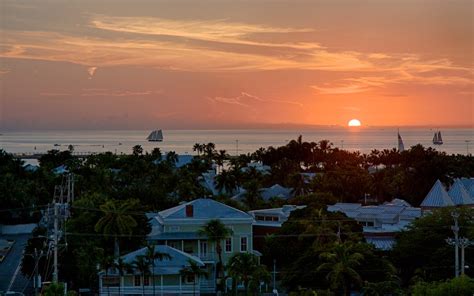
column 401, row 147
column 437, row 139
column 155, row 136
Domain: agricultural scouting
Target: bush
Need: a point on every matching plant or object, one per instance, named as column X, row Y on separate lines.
column 461, row 286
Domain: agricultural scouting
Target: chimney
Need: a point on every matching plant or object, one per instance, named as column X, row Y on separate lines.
column 189, row 211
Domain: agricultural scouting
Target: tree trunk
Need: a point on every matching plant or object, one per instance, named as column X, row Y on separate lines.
column 108, row 286
column 116, row 247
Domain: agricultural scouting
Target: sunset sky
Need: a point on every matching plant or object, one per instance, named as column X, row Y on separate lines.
column 235, row 63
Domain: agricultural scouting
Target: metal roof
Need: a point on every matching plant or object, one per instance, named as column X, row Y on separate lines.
column 178, row 259
column 381, row 243
column 437, row 197
column 204, row 208
column 459, row 194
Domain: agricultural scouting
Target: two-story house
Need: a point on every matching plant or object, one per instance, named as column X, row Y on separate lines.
column 179, row 227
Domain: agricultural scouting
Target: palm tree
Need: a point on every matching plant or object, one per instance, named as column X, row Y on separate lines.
column 137, row 150
column 143, row 266
column 252, row 193
column 244, row 267
column 122, row 267
column 226, row 182
column 116, row 221
column 193, row 270
column 106, row 263
column 172, row 157
column 199, row 148
column 151, row 255
column 216, row 232
column 340, row 265
column 221, row 157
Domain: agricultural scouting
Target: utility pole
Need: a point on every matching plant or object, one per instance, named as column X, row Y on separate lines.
column 463, row 243
column 274, row 276
column 55, row 262
column 36, row 258
column 455, row 229
column 236, row 147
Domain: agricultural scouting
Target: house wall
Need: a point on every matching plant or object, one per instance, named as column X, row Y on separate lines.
column 239, row 230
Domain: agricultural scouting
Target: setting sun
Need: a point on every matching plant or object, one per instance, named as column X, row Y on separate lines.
column 354, row 122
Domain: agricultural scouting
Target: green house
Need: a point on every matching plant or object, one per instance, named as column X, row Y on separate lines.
column 179, row 227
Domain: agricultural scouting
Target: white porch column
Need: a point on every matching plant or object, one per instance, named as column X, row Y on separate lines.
column 182, row 245
column 161, row 284
column 199, row 248
column 180, row 288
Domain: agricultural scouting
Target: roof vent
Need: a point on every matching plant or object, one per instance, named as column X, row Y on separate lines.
column 189, row 211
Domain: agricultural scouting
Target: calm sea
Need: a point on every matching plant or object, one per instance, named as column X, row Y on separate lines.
column 456, row 140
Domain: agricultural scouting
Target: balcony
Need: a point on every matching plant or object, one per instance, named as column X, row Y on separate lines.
column 148, row 290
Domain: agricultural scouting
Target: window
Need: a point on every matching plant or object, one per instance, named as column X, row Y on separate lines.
column 173, row 228
column 137, row 281
column 260, row 218
column 111, row 281
column 146, row 280
column 228, row 245
column 368, row 223
column 243, row 244
column 204, row 248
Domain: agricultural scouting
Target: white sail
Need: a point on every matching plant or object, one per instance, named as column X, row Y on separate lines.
column 437, row 139
column 155, row 136
column 401, row 147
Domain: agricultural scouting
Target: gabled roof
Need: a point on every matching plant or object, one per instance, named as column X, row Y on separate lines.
column 277, row 191
column 62, row 169
column 31, row 167
column 467, row 182
column 204, row 208
column 437, row 197
column 459, row 194
column 468, row 185
column 173, row 265
column 397, row 202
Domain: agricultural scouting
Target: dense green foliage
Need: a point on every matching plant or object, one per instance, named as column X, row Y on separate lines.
column 315, row 250
column 421, row 252
column 462, row 286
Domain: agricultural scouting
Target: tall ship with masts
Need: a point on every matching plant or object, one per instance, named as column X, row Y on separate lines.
column 155, row 136
column 437, row 139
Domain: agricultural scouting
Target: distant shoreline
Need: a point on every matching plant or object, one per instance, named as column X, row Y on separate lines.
column 244, row 128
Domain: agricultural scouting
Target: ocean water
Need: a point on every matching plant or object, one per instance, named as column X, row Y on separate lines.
column 456, row 140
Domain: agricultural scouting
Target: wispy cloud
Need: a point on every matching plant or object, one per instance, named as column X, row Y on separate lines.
column 55, row 94
column 102, row 92
column 91, row 71
column 247, row 100
column 207, row 30
column 118, row 93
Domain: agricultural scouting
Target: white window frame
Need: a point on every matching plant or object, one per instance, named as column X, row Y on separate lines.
column 246, row 243
column 231, row 245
